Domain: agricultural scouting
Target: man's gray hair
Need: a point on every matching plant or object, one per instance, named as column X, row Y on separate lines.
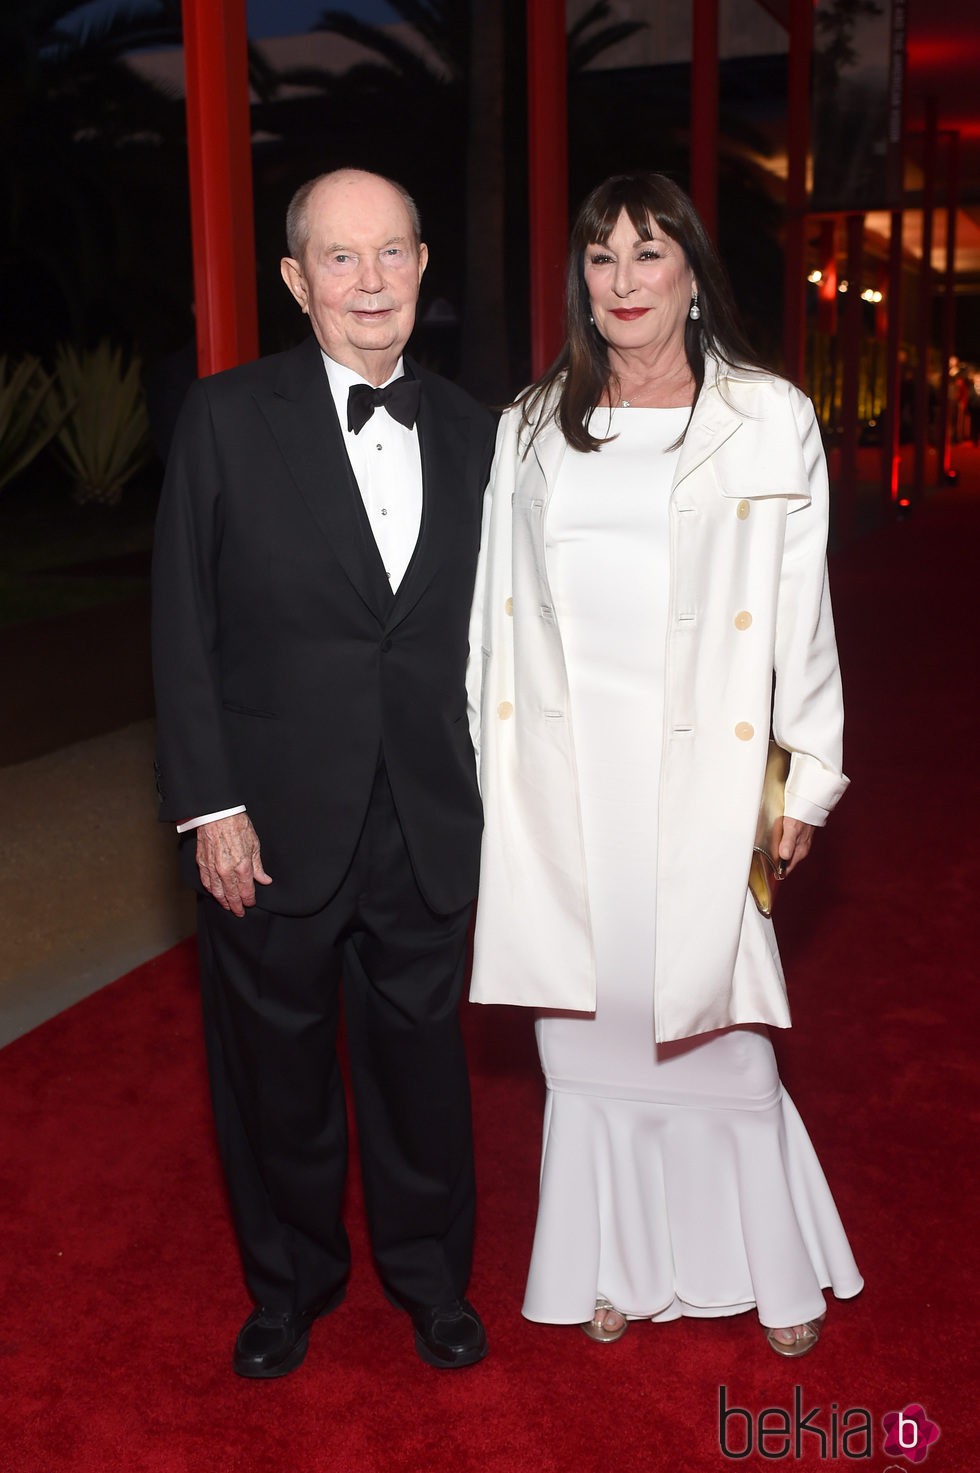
column 297, row 214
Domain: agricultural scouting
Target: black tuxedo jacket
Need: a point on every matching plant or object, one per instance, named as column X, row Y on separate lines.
column 285, row 668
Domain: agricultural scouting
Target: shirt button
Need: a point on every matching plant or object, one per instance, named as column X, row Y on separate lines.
column 742, row 510
column 509, row 607
column 504, row 710
column 745, row 731
column 379, row 447
column 743, row 619
column 384, row 511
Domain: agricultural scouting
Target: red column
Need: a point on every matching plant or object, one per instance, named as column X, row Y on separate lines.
column 891, row 461
column 797, row 147
column 823, row 388
column 547, row 123
column 949, row 307
column 924, row 328
column 827, row 290
column 220, row 166
column 890, row 448
column 846, row 511
column 704, row 112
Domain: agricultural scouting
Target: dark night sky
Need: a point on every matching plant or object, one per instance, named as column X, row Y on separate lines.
column 290, row 17
column 272, row 17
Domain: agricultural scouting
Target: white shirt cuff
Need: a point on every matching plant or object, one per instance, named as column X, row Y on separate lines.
column 804, row 811
column 195, row 823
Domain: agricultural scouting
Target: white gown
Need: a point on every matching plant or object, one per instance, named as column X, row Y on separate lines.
column 679, row 1179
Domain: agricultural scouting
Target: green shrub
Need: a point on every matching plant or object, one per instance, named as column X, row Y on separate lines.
column 24, row 429
column 101, row 426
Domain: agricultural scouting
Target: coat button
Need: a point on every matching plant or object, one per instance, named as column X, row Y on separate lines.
column 504, row 710
column 743, row 619
column 385, row 646
column 742, row 510
column 509, row 606
column 745, row 731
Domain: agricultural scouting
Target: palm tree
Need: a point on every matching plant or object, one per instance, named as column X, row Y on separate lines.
column 847, row 114
column 71, row 113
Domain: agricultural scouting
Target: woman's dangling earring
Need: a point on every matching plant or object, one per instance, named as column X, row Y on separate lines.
column 695, row 311
column 591, row 320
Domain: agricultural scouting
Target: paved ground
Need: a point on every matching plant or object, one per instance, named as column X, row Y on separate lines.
column 88, row 878
column 74, row 676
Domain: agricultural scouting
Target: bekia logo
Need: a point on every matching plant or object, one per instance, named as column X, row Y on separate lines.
column 909, row 1433
column 788, row 1432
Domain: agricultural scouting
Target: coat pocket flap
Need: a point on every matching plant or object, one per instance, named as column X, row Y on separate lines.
column 764, row 459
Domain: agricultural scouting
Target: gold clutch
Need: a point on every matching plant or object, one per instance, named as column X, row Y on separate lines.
column 767, row 869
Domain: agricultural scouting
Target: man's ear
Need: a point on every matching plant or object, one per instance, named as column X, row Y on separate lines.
column 423, row 257
column 292, row 275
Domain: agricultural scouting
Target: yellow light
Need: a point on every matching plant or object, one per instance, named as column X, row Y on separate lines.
column 842, row 286
column 814, row 277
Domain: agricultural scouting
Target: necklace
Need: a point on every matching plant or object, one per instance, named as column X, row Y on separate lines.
column 625, row 404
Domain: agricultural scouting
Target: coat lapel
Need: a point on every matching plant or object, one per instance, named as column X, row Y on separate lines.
column 713, row 422
column 765, row 460
column 300, row 411
column 548, row 449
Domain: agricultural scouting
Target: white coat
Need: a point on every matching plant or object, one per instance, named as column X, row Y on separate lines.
column 748, row 599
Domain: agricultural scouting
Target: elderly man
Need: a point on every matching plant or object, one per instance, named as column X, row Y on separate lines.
column 314, row 563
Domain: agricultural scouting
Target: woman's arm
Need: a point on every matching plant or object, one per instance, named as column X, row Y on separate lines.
column 808, row 716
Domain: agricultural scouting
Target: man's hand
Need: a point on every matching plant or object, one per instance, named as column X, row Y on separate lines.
column 229, row 861
column 794, row 842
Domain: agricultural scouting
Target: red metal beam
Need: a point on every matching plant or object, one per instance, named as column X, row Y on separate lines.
column 797, row 145
column 220, row 166
column 924, row 325
column 547, row 123
column 827, row 290
column 949, row 307
column 846, row 500
column 704, row 112
column 891, row 448
column 891, row 456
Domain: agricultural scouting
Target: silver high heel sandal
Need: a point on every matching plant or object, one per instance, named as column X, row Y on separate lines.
column 599, row 1333
column 807, row 1336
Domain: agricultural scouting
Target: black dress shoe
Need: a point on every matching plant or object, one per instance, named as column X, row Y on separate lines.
column 271, row 1344
column 449, row 1335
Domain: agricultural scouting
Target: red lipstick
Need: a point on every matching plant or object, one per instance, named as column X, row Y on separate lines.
column 628, row 314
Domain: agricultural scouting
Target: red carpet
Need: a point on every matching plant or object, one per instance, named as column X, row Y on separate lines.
column 121, row 1295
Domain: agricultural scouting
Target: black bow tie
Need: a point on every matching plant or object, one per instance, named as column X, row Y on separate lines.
column 401, row 399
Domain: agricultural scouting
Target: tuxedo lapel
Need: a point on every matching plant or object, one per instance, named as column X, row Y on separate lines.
column 301, row 414
column 443, row 448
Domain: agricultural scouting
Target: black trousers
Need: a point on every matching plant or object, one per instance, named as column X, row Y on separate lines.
column 271, row 994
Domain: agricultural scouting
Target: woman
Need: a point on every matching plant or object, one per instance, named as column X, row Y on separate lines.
column 654, row 550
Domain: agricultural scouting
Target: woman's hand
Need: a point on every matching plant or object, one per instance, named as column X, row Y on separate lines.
column 794, row 843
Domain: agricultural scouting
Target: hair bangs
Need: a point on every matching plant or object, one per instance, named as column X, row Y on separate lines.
column 643, row 204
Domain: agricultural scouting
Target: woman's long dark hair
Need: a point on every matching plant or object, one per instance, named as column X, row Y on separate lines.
column 581, row 370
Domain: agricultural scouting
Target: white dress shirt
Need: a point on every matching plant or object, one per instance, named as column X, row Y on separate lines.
column 387, row 466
